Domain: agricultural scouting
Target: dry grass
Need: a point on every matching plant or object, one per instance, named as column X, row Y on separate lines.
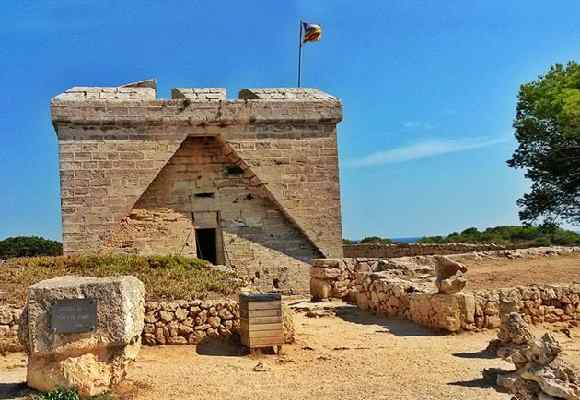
column 165, row 277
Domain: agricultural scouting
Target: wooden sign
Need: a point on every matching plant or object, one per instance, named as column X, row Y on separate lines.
column 74, row 316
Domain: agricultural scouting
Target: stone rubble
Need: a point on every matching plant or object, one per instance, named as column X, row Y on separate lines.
column 9, row 317
column 540, row 374
column 405, row 288
column 449, row 275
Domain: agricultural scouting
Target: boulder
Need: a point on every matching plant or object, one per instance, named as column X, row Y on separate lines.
column 449, row 275
column 451, row 285
column 320, row 289
column 540, row 372
column 288, row 324
column 93, row 359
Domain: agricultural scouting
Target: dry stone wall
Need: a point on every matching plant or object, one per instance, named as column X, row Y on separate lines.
column 370, row 250
column 404, row 288
column 175, row 323
column 189, row 322
column 9, row 317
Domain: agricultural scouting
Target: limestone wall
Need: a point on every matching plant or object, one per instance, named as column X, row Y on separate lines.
column 138, row 174
column 189, row 322
column 180, row 322
column 370, row 250
column 9, row 317
column 404, row 288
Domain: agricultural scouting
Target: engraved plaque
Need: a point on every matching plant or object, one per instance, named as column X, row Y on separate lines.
column 74, row 316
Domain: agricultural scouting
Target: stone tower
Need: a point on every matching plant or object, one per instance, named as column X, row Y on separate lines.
column 251, row 183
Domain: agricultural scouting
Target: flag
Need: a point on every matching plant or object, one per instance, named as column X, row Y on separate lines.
column 312, row 32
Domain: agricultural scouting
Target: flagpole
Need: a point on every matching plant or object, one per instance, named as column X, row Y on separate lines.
column 300, row 54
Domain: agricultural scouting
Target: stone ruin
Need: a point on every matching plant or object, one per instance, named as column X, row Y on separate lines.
column 449, row 275
column 540, row 372
column 82, row 333
column 429, row 290
column 251, row 183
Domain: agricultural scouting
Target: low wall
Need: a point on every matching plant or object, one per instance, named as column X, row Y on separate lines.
column 189, row 322
column 404, row 288
column 370, row 250
column 480, row 309
column 180, row 322
column 9, row 317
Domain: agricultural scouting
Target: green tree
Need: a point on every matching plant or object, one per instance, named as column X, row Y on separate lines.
column 29, row 246
column 547, row 125
column 376, row 239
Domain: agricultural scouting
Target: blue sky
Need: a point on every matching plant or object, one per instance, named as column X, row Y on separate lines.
column 429, row 90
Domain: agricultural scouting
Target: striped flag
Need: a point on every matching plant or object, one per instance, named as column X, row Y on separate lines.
column 312, row 32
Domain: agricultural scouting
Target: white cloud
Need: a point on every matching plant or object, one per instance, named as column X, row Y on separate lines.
column 417, row 124
column 424, row 149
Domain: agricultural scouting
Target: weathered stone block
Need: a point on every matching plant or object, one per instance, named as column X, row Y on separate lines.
column 90, row 361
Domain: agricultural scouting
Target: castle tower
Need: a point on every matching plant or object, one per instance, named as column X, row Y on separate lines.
column 251, row 183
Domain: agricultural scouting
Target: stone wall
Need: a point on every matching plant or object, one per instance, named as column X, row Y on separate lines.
column 370, row 250
column 180, row 322
column 139, row 174
column 189, row 322
column 9, row 317
column 404, row 288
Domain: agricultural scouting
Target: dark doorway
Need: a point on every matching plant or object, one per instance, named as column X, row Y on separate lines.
column 205, row 240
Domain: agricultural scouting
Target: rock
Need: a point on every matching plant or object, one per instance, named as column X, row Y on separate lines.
column 288, row 324
column 166, row 315
column 214, row 322
column 5, row 317
column 446, row 267
column 181, row 314
column 196, row 337
column 176, row 340
column 448, row 275
column 540, row 373
column 325, row 273
column 514, row 330
column 362, row 301
column 91, row 361
column 225, row 314
column 320, row 289
column 452, row 285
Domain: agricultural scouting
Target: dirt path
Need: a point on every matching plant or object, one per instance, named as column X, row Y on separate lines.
column 489, row 273
column 353, row 355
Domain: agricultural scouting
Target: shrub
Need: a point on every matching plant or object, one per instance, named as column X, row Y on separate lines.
column 376, row 240
column 29, row 246
column 511, row 235
column 165, row 277
column 58, row 394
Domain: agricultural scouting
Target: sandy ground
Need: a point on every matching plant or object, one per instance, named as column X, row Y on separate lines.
column 353, row 355
column 498, row 273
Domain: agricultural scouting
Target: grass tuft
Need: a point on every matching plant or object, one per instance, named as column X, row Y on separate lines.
column 165, row 277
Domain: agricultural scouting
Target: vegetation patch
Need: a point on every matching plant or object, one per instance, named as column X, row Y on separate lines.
column 165, row 277
column 29, row 246
column 545, row 235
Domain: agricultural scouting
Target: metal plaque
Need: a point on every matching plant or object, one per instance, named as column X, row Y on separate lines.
column 74, row 316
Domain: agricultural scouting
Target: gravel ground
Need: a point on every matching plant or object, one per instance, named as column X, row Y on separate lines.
column 353, row 355
column 499, row 273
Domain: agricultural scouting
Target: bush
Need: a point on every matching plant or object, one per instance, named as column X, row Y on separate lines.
column 29, row 246
column 165, row 277
column 511, row 235
column 376, row 240
column 58, row 394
